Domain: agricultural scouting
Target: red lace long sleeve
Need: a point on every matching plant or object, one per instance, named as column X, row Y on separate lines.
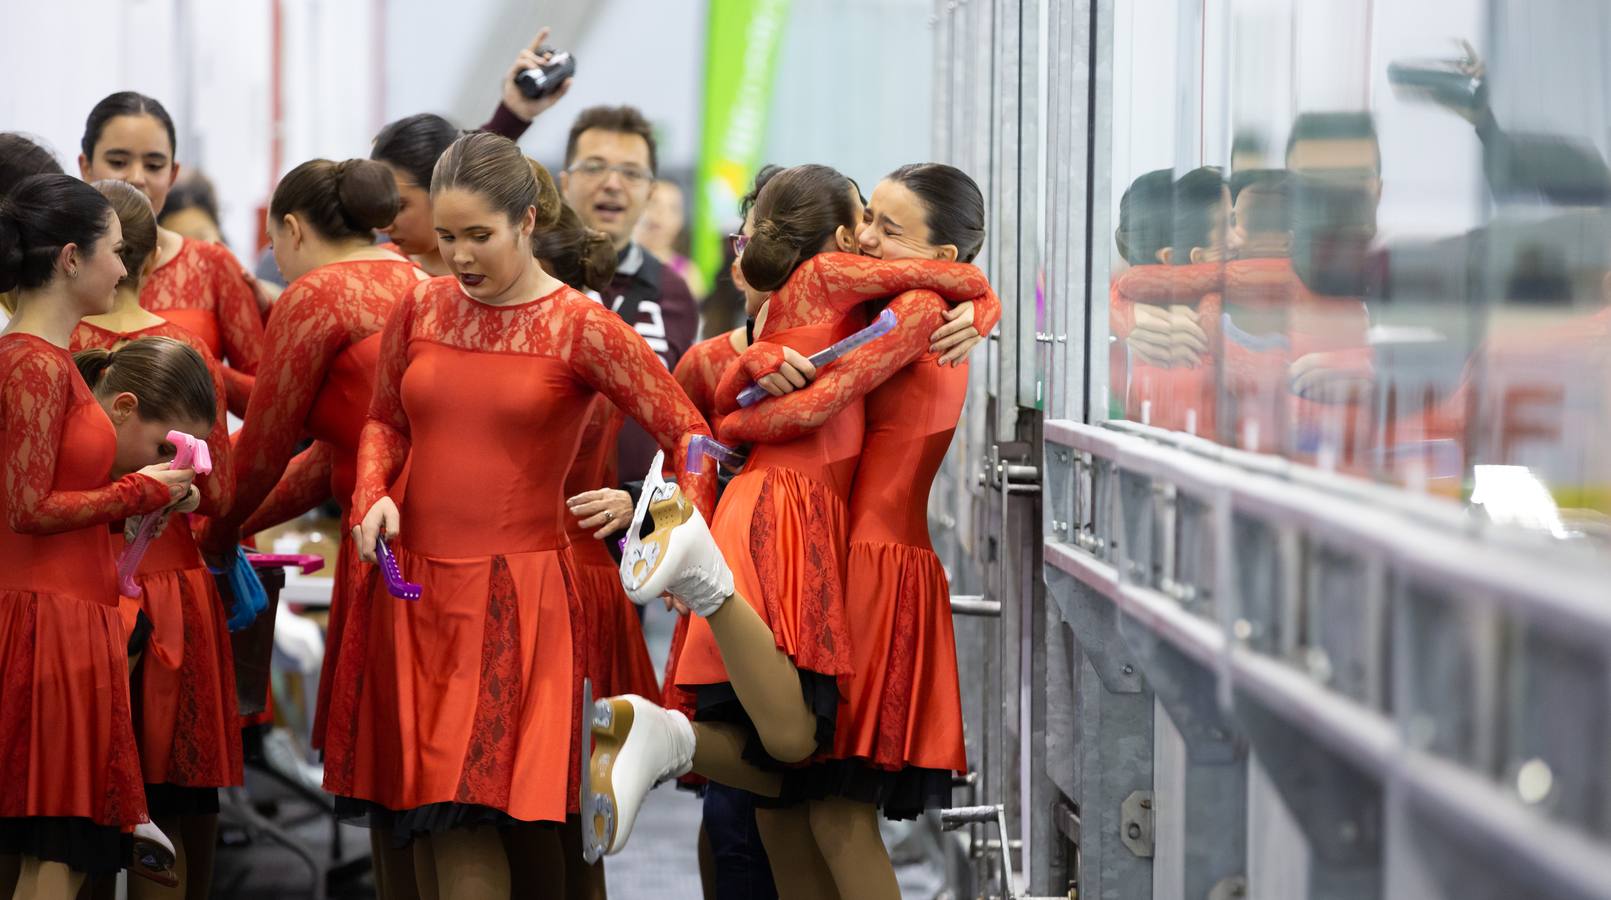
column 700, row 370
column 310, row 327
column 843, row 281
column 777, row 419
column 218, row 487
column 383, row 447
column 611, row 356
column 828, row 285
column 305, row 485
column 35, row 396
column 240, row 323
column 204, row 290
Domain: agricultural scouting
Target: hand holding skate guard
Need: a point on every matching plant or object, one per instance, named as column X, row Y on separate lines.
column 189, row 453
column 679, row 557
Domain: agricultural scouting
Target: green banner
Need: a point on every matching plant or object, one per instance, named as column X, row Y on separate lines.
column 741, row 50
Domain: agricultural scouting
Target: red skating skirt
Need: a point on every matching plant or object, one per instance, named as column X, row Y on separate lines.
column 467, row 704
column 904, row 705
column 67, row 746
column 186, row 717
column 898, row 735
column 617, row 657
column 783, row 534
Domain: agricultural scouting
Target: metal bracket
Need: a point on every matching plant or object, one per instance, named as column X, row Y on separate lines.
column 1096, row 628
column 1135, row 823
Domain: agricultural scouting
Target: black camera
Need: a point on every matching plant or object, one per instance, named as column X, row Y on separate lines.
column 544, row 80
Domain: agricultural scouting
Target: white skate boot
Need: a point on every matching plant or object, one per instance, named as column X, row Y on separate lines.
column 679, row 557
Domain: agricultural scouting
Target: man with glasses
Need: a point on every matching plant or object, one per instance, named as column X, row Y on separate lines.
column 608, row 177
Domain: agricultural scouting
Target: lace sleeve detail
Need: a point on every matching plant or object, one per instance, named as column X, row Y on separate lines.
column 305, row 485
column 304, row 336
column 761, row 358
column 847, row 280
column 777, row 419
column 237, row 390
column 239, row 321
column 35, row 396
column 383, row 447
column 694, row 381
column 608, row 354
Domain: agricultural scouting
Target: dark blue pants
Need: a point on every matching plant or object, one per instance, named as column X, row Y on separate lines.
column 742, row 872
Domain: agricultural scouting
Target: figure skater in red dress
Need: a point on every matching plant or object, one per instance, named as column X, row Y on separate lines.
column 465, row 720
column 773, row 668
column 898, row 737
column 185, row 715
column 196, row 285
column 72, row 792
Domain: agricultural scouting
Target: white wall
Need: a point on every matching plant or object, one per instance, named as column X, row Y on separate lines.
column 210, row 65
column 853, row 87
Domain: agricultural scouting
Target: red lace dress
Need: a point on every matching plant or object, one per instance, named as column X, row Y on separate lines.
column 71, row 769
column 467, row 707
column 618, row 658
column 204, row 290
column 185, row 710
column 783, row 523
column 898, row 735
column 316, row 379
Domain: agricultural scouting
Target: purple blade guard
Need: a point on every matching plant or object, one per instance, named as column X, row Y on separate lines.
column 702, row 446
column 881, row 326
column 395, row 585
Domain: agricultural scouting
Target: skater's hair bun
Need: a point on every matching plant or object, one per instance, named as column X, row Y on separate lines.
column 795, row 215
column 346, row 199
column 575, row 254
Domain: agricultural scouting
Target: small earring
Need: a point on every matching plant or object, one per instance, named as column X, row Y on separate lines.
column 73, row 273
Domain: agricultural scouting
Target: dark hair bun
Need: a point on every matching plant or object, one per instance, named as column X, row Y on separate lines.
column 548, row 202
column 598, row 260
column 769, row 257
column 367, row 193
column 41, row 215
column 349, row 199
column 575, row 254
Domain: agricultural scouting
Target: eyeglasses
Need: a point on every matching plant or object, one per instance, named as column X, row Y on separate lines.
column 739, row 242
column 594, row 169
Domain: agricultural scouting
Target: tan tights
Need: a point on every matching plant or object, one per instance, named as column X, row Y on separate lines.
column 44, row 880
column 798, row 868
column 393, row 867
column 828, row 848
column 462, row 864
column 537, row 852
column 765, row 680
